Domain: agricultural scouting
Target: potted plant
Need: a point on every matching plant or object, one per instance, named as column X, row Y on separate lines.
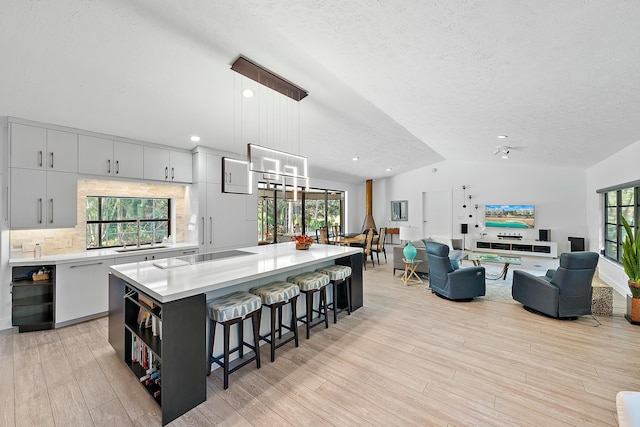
column 631, row 264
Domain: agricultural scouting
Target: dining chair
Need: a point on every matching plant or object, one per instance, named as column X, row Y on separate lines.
column 380, row 246
column 367, row 248
column 336, row 231
column 324, row 236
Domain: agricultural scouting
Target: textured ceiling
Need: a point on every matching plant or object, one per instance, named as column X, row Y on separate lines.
column 401, row 84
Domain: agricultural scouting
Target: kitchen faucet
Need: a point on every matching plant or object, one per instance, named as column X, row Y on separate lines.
column 138, row 224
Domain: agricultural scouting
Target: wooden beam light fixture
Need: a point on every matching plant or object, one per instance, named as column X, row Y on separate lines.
column 268, row 78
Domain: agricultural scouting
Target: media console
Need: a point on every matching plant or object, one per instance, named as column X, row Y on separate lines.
column 516, row 247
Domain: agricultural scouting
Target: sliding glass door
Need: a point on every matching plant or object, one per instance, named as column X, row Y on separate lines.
column 282, row 215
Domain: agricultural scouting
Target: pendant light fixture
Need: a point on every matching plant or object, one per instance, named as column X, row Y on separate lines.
column 275, row 164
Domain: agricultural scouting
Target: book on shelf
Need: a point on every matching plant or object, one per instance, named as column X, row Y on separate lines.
column 146, row 319
column 146, row 300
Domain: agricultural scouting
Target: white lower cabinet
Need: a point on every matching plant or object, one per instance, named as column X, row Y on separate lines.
column 82, row 289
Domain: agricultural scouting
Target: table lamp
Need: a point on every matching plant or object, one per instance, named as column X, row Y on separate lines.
column 409, row 234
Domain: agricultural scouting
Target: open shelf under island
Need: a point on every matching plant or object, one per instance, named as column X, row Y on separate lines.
column 174, row 296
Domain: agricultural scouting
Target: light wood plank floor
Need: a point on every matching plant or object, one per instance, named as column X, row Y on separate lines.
column 406, row 358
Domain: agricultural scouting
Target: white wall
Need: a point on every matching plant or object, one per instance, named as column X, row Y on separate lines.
column 5, row 276
column 557, row 193
column 617, row 169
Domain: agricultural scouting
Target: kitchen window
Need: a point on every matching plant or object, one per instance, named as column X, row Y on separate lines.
column 119, row 221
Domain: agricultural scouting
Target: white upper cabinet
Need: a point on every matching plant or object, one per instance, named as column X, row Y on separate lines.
column 62, row 151
column 100, row 156
column 181, row 166
column 43, row 149
column 167, row 165
column 95, row 156
column 128, row 159
column 235, row 176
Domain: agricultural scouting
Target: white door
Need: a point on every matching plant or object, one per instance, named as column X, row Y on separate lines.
column 436, row 213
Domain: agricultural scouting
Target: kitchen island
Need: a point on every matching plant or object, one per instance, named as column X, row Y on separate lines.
column 173, row 294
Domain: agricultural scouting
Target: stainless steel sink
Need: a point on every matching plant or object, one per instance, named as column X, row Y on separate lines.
column 141, row 248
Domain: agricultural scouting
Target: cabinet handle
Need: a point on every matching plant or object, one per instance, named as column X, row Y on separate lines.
column 40, row 158
column 40, row 207
column 85, row 265
column 117, row 167
column 109, row 166
column 211, row 230
column 172, row 174
column 51, row 221
column 166, row 172
column 189, row 252
column 203, row 232
column 52, row 160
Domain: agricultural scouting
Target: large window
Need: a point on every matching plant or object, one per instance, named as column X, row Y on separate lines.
column 114, row 221
column 619, row 202
column 280, row 216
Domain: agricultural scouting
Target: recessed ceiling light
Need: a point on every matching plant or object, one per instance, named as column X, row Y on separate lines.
column 247, row 93
column 502, row 136
column 195, row 138
column 388, row 169
column 355, row 159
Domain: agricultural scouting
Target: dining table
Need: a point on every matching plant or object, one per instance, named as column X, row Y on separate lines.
column 348, row 241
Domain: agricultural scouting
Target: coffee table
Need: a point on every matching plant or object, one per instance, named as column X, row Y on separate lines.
column 477, row 258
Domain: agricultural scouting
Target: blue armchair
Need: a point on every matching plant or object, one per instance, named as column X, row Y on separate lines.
column 565, row 292
column 447, row 282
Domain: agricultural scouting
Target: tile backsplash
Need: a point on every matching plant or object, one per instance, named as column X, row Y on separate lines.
column 64, row 240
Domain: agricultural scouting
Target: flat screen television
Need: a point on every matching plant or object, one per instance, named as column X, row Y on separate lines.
column 509, row 216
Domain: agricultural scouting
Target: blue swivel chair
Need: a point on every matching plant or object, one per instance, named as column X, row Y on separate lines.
column 462, row 284
column 562, row 293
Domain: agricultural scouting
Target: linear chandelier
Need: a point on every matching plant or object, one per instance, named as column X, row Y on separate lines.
column 279, row 166
column 275, row 165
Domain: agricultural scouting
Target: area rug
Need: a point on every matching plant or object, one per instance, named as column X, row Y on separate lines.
column 500, row 289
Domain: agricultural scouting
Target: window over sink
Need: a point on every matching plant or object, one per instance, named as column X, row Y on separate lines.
column 120, row 221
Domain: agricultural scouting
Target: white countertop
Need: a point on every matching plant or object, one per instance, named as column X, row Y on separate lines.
column 170, row 284
column 94, row 254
